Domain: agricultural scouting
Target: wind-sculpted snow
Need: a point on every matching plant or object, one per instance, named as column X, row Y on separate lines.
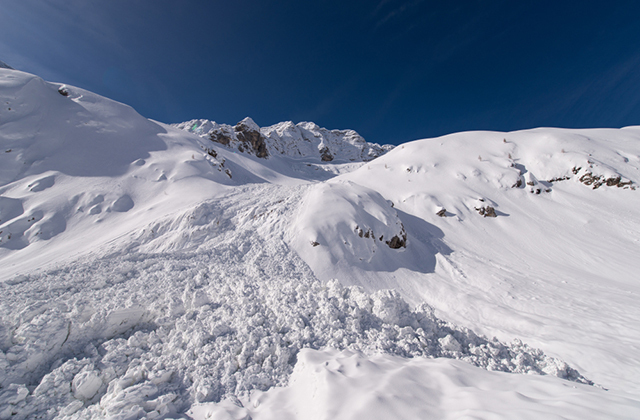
column 81, row 134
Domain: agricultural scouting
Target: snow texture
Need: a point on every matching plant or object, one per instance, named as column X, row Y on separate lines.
column 150, row 272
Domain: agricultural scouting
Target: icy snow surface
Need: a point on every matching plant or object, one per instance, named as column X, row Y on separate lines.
column 151, row 272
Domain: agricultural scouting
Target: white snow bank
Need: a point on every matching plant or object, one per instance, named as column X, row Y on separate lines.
column 345, row 385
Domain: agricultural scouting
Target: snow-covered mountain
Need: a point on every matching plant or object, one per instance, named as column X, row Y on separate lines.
column 157, row 271
column 304, row 140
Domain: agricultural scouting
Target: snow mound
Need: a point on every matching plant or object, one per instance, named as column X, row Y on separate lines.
column 299, row 141
column 345, row 223
column 349, row 385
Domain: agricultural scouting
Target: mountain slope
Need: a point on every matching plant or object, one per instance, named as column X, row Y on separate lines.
column 150, row 272
column 561, row 247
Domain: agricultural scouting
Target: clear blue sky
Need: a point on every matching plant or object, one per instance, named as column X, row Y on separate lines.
column 392, row 70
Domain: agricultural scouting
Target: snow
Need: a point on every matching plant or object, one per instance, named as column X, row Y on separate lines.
column 303, row 141
column 349, row 385
column 150, row 272
column 545, row 268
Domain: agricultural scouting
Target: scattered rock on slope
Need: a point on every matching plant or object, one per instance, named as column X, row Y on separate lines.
column 487, row 211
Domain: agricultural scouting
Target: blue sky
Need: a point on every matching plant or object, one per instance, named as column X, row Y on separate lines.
column 392, row 70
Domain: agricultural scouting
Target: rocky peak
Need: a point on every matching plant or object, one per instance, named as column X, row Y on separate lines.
column 248, row 132
column 302, row 140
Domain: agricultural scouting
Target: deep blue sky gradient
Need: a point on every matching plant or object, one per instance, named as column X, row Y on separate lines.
column 392, row 70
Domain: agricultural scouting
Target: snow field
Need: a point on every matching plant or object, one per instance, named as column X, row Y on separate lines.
column 557, row 269
column 145, row 270
column 150, row 334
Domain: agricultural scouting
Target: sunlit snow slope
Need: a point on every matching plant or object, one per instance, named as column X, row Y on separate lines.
column 557, row 265
column 212, row 271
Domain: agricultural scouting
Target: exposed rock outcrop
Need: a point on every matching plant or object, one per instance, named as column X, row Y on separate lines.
column 596, row 181
column 487, row 211
column 302, row 140
column 248, row 132
column 398, row 241
column 325, row 155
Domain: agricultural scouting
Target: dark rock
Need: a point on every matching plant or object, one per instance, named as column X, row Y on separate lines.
column 591, row 179
column 220, row 138
column 613, row 181
column 395, row 243
column 325, row 154
column 596, row 181
column 398, row 241
column 490, row 212
column 253, row 138
column 442, row 213
column 315, row 243
column 62, row 90
column 487, row 211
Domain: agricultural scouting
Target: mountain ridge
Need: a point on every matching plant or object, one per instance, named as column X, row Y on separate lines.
column 301, row 140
